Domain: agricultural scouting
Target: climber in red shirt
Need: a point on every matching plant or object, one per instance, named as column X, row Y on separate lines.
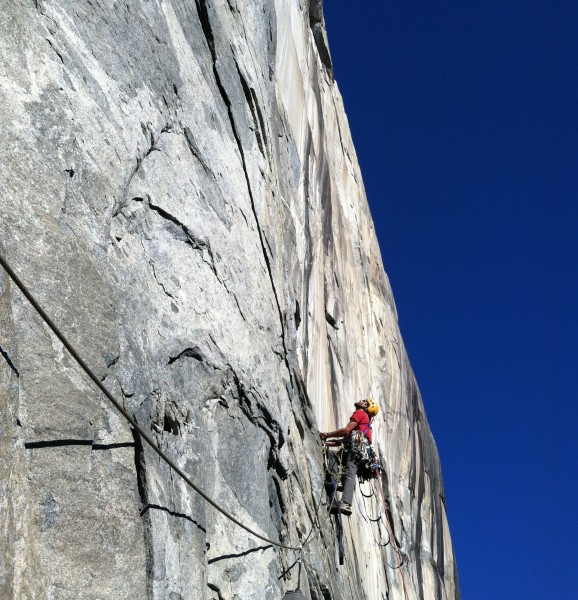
column 360, row 420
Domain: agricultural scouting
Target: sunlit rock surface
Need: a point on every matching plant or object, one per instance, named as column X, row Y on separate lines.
column 180, row 191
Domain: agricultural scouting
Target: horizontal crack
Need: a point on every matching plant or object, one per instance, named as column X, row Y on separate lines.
column 173, row 514
column 189, row 352
column 226, row 556
column 57, row 443
column 113, row 446
column 73, row 442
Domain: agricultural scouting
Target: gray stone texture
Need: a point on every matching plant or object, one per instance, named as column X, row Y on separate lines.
column 180, row 191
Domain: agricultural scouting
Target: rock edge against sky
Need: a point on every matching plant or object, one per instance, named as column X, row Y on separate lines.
column 181, row 193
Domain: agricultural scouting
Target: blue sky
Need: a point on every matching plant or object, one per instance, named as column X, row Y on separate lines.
column 464, row 116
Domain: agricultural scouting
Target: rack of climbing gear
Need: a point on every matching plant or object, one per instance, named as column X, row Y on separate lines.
column 369, row 466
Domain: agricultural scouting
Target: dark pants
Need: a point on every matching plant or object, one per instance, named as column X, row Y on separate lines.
column 350, row 466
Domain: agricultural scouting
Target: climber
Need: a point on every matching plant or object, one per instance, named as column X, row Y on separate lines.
column 356, row 446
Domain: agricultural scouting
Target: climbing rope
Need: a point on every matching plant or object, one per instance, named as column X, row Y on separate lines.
column 131, row 420
column 399, row 560
column 372, row 493
column 369, row 518
column 363, row 508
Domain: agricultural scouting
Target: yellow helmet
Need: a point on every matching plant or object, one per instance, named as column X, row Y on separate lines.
column 372, row 408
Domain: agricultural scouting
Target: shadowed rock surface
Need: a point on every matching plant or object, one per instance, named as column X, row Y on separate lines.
column 180, row 192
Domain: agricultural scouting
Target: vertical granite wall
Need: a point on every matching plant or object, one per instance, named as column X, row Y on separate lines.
column 180, row 191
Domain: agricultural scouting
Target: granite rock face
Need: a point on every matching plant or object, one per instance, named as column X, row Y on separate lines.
column 179, row 190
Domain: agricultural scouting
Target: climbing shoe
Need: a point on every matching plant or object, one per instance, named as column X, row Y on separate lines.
column 345, row 509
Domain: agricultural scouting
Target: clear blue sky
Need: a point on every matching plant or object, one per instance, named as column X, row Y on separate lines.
column 465, row 119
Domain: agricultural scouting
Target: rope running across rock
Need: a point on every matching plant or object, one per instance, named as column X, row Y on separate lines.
column 160, row 452
column 130, row 419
